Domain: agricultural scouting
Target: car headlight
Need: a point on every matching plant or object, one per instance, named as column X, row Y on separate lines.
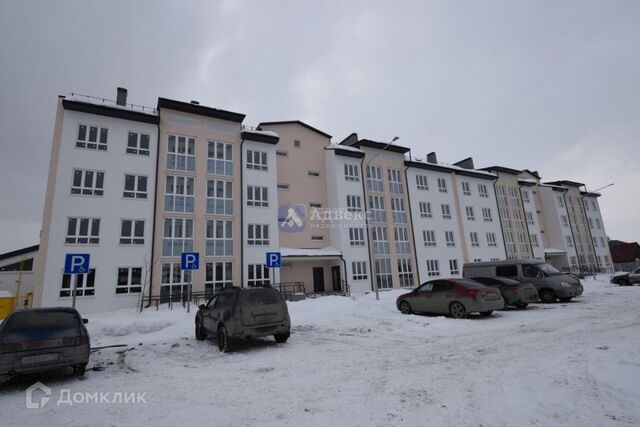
column 565, row 285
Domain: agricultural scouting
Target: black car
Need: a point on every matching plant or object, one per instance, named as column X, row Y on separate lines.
column 43, row 339
column 239, row 313
column 513, row 291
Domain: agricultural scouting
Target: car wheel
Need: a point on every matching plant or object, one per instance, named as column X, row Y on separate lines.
column 565, row 299
column 457, row 310
column 547, row 296
column 224, row 341
column 281, row 338
column 79, row 370
column 522, row 305
column 405, row 308
column 486, row 313
column 200, row 334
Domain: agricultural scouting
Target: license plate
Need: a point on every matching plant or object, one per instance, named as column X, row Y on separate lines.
column 49, row 357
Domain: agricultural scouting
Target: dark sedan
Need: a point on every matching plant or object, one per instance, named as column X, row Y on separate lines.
column 513, row 291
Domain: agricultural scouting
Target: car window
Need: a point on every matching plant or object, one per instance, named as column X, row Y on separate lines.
column 529, row 270
column 224, row 300
column 636, row 271
column 212, row 301
column 255, row 297
column 486, row 280
column 442, row 285
column 31, row 325
column 507, row 271
column 427, row 287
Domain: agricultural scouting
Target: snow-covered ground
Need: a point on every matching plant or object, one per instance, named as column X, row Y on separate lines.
column 358, row 361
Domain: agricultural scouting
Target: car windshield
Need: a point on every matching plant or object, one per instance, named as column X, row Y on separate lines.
column 547, row 269
column 39, row 325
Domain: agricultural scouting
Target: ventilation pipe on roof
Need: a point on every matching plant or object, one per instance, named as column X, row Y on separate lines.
column 121, row 96
column 465, row 163
column 431, row 157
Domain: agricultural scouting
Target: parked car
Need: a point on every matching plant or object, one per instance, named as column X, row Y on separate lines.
column 240, row 313
column 453, row 297
column 550, row 283
column 513, row 291
column 43, row 339
column 626, row 278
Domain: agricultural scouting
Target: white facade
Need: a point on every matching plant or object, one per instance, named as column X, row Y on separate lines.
column 107, row 254
column 346, row 197
column 560, row 249
column 598, row 233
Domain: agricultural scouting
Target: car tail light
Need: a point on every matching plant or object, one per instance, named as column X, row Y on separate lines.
column 473, row 293
column 11, row 347
column 82, row 340
column 516, row 289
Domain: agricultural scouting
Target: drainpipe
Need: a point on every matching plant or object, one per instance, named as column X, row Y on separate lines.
column 344, row 266
column 366, row 219
column 413, row 237
column 242, row 215
column 153, row 221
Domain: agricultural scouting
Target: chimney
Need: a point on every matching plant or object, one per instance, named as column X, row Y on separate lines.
column 195, row 102
column 465, row 163
column 121, row 98
column 431, row 157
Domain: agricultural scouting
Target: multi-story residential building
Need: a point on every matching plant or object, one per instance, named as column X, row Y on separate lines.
column 99, row 200
column 529, row 181
column 598, row 233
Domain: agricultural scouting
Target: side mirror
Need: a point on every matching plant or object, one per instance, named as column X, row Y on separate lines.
column 85, row 321
column 201, row 306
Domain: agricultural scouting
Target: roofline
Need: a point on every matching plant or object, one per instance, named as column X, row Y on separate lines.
column 346, row 153
column 258, row 137
column 19, row 252
column 298, row 122
column 590, row 194
column 566, row 182
column 108, row 111
column 441, row 168
column 534, row 173
column 201, row 110
column 502, row 169
column 385, row 146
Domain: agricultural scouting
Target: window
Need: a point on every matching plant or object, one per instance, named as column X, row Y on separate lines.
column 486, row 215
column 89, row 139
column 219, row 238
column 138, row 143
column 258, row 275
column 429, row 237
column 442, row 185
column 602, row 242
column 401, row 235
column 529, row 217
column 525, row 196
column 453, row 267
column 83, row 231
column 131, row 232
column 296, row 143
column 217, row 276
column 422, row 182
column 482, row 190
column 84, row 284
column 282, row 153
column 314, row 174
column 586, row 205
column 219, row 197
column 471, row 216
column 574, row 262
column 466, row 189
column 473, row 237
column 598, row 224
column 129, row 280
column 376, row 207
column 135, row 187
column 522, row 240
column 565, row 220
column 351, row 172
column 87, row 182
column 174, row 282
column 356, row 236
column 317, row 238
column 405, row 272
column 432, row 268
column 395, row 181
column 594, row 205
column 257, row 160
column 491, row 239
column 284, row 187
column 354, row 204
column 569, row 241
column 383, row 273
column 181, row 153
column 380, row 240
column 315, row 205
column 590, row 222
column 450, row 238
column 425, row 209
column 258, row 235
column 595, row 242
column 560, row 201
column 374, row 178
column 257, row 196
column 179, row 194
column 220, row 158
column 177, row 236
column 446, row 211
column 359, row 270
column 398, row 214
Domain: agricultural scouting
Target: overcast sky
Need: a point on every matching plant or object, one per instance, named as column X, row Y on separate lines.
column 552, row 86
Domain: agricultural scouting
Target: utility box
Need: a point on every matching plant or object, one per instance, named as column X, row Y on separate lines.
column 7, row 301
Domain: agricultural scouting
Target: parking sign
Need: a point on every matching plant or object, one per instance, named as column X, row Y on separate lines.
column 190, row 261
column 76, row 264
column 274, row 260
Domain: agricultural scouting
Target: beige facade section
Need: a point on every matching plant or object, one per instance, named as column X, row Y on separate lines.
column 512, row 216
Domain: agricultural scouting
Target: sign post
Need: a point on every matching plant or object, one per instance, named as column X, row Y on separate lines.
column 76, row 264
column 190, row 261
column 274, row 260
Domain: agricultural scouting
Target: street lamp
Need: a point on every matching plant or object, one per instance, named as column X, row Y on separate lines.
column 602, row 188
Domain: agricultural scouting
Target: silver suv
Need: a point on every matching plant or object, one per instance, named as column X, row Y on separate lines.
column 239, row 313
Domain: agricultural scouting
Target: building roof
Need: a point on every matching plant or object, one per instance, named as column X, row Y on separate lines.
column 18, row 252
column 566, row 183
column 189, row 107
column 346, row 150
column 447, row 168
column 625, row 252
column 590, row 194
column 502, row 169
column 115, row 111
column 260, row 136
column 353, row 141
column 298, row 122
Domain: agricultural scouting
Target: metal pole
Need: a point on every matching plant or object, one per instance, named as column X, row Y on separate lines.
column 19, row 284
column 189, row 297
column 74, row 290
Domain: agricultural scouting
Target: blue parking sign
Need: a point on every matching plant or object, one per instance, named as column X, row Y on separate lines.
column 190, row 261
column 76, row 264
column 274, row 260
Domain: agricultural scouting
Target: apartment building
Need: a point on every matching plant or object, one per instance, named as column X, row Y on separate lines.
column 99, row 200
column 596, row 228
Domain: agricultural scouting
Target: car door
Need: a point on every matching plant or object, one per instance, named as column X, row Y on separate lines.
column 420, row 299
column 634, row 276
column 530, row 273
column 207, row 315
column 442, row 296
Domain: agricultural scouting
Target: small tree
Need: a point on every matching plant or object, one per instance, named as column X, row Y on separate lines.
column 146, row 279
